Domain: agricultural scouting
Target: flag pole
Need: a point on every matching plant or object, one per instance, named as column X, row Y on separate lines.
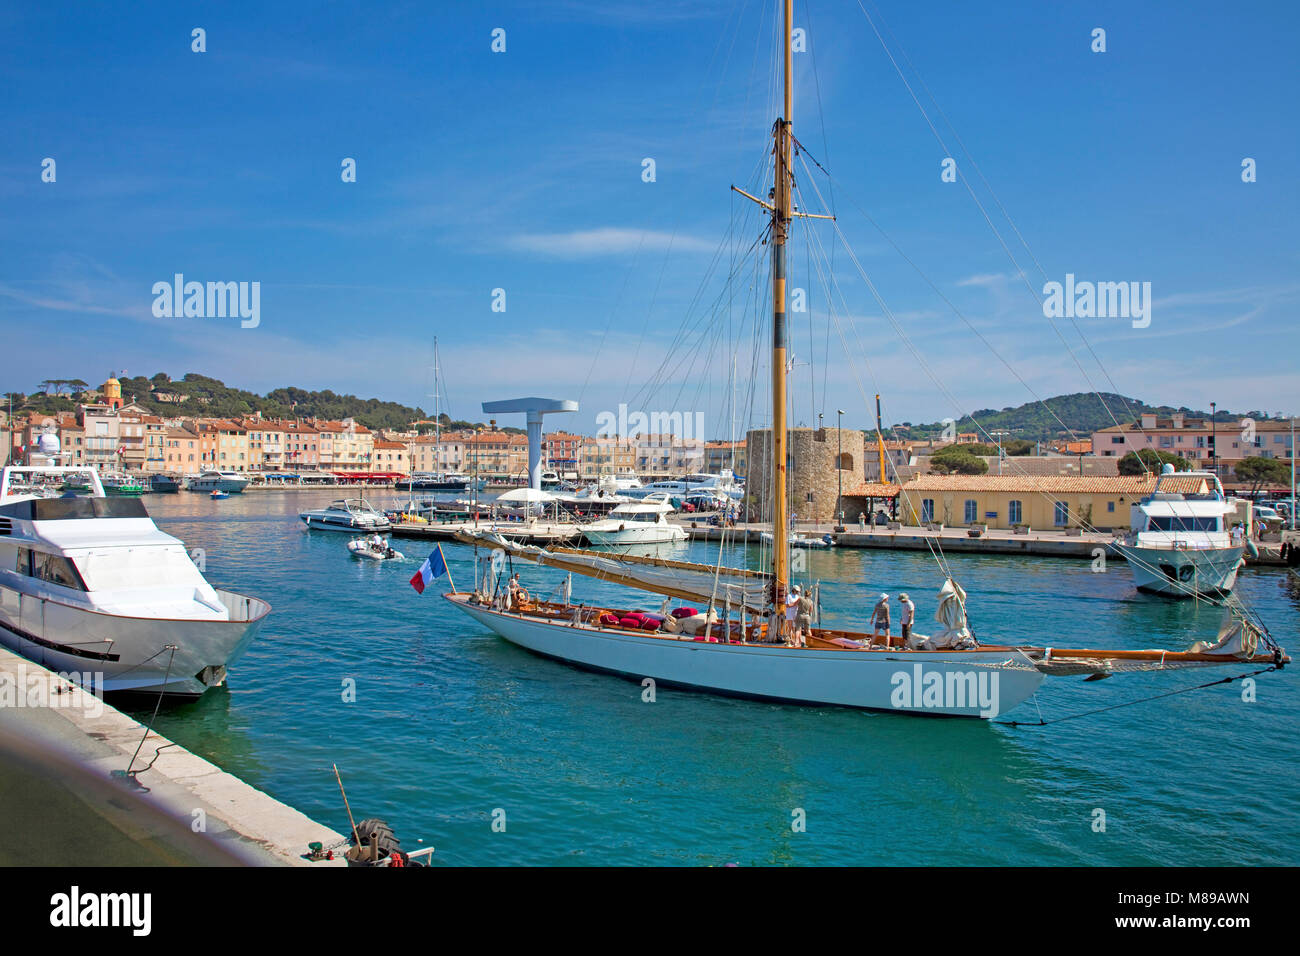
column 450, row 579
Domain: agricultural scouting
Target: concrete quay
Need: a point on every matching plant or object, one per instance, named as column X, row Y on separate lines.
column 95, row 737
column 1045, row 543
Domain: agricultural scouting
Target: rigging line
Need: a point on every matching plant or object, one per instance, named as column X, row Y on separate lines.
column 1140, row 700
column 934, row 545
column 1084, row 524
column 1007, row 215
column 821, row 119
column 983, row 212
column 951, row 305
column 595, row 357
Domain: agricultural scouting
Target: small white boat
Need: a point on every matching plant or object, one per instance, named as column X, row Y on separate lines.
column 347, row 514
column 367, row 549
column 799, row 541
column 1179, row 546
column 636, row 522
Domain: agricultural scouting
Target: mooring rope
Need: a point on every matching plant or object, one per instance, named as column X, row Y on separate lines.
column 1128, row 703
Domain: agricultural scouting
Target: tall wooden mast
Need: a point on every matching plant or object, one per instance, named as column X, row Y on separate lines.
column 781, row 209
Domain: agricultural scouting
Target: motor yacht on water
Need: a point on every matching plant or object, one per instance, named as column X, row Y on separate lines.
column 1180, row 545
column 347, row 514
column 635, row 522
column 231, row 482
column 90, row 584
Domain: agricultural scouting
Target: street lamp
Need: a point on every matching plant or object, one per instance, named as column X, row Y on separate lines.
column 839, row 468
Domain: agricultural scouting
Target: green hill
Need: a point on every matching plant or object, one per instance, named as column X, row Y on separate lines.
column 1083, row 413
column 197, row 395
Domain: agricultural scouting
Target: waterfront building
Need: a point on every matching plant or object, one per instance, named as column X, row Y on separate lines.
column 724, row 454
column 390, row 456
column 182, row 451
column 562, row 453
column 1203, row 443
column 224, row 445
column 1044, row 502
column 667, row 454
column 608, row 455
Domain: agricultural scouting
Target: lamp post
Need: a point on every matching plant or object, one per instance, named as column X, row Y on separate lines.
column 1292, row 472
column 839, row 469
column 478, row 429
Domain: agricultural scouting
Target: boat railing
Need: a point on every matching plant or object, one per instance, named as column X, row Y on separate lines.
column 243, row 608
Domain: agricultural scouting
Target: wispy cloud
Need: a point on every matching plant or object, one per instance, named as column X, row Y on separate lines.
column 607, row 241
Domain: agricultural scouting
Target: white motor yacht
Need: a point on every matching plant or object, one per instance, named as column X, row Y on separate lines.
column 347, row 514
column 231, row 482
column 635, row 522
column 89, row 584
column 1179, row 545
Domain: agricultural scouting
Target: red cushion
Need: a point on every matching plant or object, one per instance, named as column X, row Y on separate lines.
column 648, row 625
column 629, row 622
column 685, row 612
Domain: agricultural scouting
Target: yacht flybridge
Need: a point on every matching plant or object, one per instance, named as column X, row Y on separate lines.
column 1180, row 544
column 731, row 634
column 89, row 583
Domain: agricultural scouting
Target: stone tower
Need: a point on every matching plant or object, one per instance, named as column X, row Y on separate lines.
column 820, row 460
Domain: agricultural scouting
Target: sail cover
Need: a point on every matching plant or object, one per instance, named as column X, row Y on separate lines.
column 686, row 580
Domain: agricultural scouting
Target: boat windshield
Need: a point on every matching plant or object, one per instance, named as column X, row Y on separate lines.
column 1178, row 523
column 116, row 569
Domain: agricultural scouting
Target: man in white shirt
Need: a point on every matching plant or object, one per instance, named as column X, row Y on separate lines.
column 906, row 616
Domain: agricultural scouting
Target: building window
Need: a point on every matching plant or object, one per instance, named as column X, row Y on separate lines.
column 1013, row 512
column 972, row 512
column 1110, row 506
column 927, row 509
column 1061, row 514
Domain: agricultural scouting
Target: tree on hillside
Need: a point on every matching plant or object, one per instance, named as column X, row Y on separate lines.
column 955, row 459
column 1263, row 471
column 1150, row 460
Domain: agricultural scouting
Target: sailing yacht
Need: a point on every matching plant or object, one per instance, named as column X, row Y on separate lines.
column 742, row 643
column 89, row 584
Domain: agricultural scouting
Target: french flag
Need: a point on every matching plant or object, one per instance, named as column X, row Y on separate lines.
column 435, row 566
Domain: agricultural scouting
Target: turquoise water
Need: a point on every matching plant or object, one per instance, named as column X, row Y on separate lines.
column 451, row 723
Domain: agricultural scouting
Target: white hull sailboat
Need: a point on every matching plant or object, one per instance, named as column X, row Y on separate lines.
column 760, row 636
column 952, row 683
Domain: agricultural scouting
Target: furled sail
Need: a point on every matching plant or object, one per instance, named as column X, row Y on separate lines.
column 689, row 581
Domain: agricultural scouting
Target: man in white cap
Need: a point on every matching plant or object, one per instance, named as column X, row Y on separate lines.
column 906, row 617
column 880, row 620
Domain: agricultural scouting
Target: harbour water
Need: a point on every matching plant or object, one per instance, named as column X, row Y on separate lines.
column 452, row 725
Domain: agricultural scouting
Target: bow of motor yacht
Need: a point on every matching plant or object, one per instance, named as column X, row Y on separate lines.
column 90, row 584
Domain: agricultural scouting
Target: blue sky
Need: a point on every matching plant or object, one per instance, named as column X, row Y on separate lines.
column 523, row 170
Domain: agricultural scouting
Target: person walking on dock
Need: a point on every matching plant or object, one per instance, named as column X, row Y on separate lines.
column 880, row 620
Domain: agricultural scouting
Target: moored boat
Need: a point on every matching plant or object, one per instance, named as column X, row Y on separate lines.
column 90, row 584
